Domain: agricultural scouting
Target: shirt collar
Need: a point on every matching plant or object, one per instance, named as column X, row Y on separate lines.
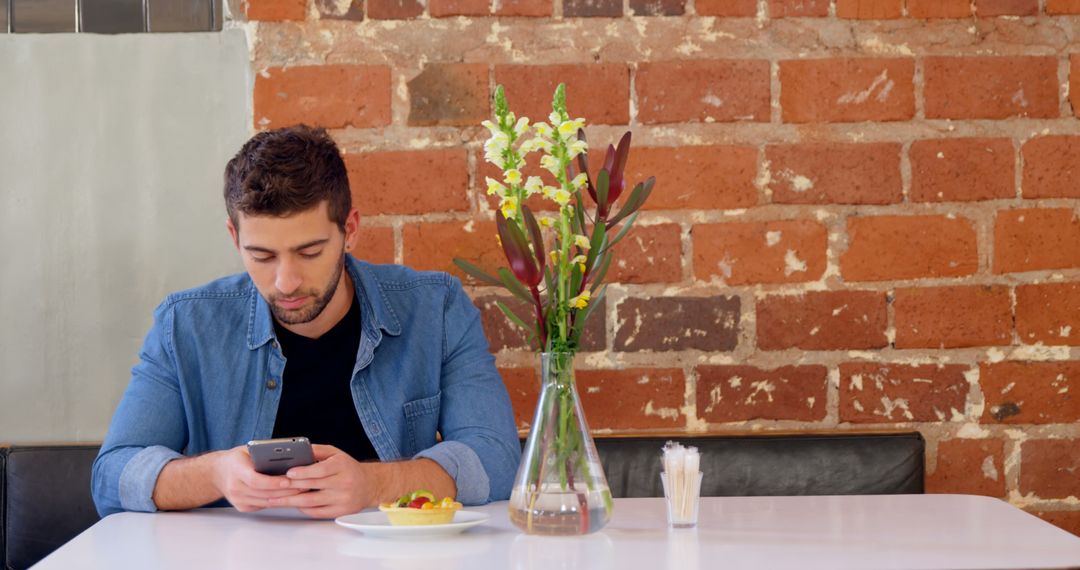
column 376, row 311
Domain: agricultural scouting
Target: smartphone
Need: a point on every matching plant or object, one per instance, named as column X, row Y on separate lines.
column 276, row 456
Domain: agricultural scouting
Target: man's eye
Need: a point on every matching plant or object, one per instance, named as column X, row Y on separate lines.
column 309, row 254
column 262, row 259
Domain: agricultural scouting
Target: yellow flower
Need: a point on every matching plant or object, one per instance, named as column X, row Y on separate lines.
column 491, row 127
column 533, row 185
column 494, row 187
column 550, row 163
column 580, row 181
column 513, row 176
column 542, row 129
column 582, row 242
column 579, row 123
column 577, row 147
column 580, row 261
column 547, row 223
column 561, row 197
column 568, row 128
column 555, row 118
column 509, row 206
column 554, row 256
column 529, row 146
column 581, row 301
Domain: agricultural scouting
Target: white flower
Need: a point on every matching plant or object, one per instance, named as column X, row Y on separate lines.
column 492, row 127
column 579, row 181
column 549, row 192
column 534, row 185
column 513, row 176
column 509, row 206
column 548, row 222
column 550, row 163
column 568, row 129
column 582, row 242
column 521, row 127
column 542, row 130
column 579, row 123
column 577, row 147
column 495, row 158
column 494, row 187
column 555, row 118
column 561, row 197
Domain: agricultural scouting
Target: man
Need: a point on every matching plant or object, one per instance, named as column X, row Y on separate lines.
column 385, row 369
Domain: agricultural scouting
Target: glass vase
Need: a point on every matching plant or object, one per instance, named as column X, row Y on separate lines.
column 560, row 488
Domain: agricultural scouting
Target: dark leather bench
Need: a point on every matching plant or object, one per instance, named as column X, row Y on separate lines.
column 45, row 490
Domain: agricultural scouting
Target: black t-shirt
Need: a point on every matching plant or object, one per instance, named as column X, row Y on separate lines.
column 316, row 400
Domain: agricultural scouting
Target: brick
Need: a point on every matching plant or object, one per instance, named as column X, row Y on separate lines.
column 886, row 393
column 938, row 8
column 433, row 246
column 703, row 90
column 648, row 254
column 677, row 323
column 990, row 87
column 993, row 8
column 741, row 393
column 1074, row 83
column 657, row 7
column 1051, row 167
column 375, row 244
column 847, row 90
column 1050, row 468
column 504, row 335
column 953, row 317
column 635, row 398
column 334, row 10
column 798, row 8
column 1069, row 521
column 523, row 385
column 598, row 92
column 823, row 320
column 870, row 9
column 1048, row 313
column 394, row 9
column 447, row 8
column 835, row 173
column 400, row 182
column 449, row 94
column 1030, row 392
column 592, row 8
column 786, row 251
column 524, row 8
column 696, row 177
column 884, row 248
column 276, row 10
column 331, row 96
column 962, row 170
column 970, row 467
column 1059, row 7
column 727, row 8
column 1034, row 239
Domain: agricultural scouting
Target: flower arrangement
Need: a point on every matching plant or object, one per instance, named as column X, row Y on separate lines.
column 565, row 285
column 557, row 265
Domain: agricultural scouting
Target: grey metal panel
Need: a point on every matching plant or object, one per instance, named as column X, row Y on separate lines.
column 112, row 16
column 40, row 16
column 181, row 15
column 3, row 16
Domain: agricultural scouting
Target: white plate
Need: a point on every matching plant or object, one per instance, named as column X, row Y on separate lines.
column 376, row 524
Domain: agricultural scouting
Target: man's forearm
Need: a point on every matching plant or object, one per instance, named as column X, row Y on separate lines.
column 187, row 483
column 399, row 477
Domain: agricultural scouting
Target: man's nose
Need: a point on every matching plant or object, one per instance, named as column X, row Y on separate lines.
column 287, row 279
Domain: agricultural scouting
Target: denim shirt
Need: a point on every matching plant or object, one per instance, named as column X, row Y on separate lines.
column 210, row 371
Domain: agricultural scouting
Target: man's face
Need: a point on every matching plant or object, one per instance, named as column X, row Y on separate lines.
column 296, row 261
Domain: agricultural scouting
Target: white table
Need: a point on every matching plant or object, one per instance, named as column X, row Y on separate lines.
column 897, row 531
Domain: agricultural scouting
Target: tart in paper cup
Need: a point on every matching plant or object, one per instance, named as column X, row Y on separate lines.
column 407, row 516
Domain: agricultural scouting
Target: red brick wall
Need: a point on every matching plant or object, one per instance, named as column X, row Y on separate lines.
column 866, row 213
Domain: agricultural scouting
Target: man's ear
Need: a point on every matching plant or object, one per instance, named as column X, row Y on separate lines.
column 352, row 229
column 233, row 232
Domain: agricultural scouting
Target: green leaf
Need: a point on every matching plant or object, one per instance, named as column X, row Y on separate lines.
column 602, row 181
column 622, row 231
column 512, row 316
column 579, row 215
column 583, row 316
column 514, row 286
column 535, row 235
column 476, row 272
column 605, row 264
column 596, row 244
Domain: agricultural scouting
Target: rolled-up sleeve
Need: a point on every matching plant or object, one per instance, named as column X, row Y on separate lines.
column 147, row 430
column 480, row 448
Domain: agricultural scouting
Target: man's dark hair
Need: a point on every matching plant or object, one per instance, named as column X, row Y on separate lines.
column 285, row 171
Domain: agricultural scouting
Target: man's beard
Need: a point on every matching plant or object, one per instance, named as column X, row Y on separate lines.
column 308, row 314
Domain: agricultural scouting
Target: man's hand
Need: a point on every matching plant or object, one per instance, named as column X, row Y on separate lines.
column 235, row 478
column 339, row 484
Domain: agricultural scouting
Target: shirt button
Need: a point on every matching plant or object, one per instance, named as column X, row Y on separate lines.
column 274, row 343
column 271, row 384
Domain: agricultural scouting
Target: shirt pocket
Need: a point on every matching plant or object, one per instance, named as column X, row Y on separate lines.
column 422, row 421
